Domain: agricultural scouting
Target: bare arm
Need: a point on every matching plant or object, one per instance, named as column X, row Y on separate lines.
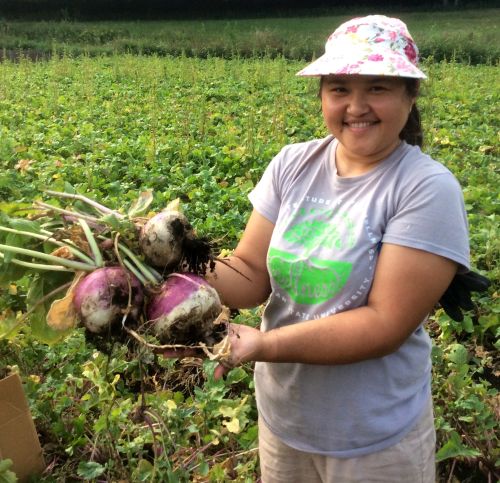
column 249, row 259
column 407, row 285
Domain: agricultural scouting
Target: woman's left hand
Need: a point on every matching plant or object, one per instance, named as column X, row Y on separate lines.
column 246, row 343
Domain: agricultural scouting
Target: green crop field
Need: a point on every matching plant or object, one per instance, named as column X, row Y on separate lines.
column 203, row 130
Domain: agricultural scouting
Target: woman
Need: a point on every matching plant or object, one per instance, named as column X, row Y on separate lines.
column 352, row 241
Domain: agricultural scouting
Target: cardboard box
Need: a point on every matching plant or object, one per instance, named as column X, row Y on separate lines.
column 18, row 438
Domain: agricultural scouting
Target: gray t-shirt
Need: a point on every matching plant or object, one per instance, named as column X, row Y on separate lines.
column 321, row 260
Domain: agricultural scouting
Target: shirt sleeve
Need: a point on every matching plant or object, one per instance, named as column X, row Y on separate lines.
column 266, row 196
column 431, row 216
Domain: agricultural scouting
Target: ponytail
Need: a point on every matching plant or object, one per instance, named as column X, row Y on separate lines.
column 412, row 132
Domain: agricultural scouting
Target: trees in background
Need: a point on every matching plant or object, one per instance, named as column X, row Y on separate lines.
column 95, row 9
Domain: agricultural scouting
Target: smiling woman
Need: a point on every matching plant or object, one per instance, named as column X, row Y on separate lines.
column 352, row 241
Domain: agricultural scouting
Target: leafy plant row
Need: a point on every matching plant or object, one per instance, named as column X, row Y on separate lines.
column 203, row 131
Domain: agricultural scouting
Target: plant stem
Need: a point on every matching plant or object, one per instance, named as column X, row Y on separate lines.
column 94, row 204
column 73, row 214
column 49, row 237
column 92, row 243
column 86, row 267
column 136, row 272
column 147, row 272
column 37, row 266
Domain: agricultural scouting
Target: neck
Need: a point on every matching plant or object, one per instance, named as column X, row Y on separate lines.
column 349, row 164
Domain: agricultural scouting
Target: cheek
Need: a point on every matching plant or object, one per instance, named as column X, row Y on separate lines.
column 331, row 112
column 398, row 112
column 331, row 122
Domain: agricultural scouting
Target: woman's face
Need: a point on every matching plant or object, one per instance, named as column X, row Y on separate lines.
column 366, row 115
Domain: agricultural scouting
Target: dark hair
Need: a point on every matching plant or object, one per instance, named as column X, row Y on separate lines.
column 412, row 131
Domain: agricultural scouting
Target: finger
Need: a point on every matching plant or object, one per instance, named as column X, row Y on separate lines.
column 452, row 310
column 475, row 282
column 220, row 371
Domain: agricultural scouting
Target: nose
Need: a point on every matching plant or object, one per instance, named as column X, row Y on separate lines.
column 358, row 104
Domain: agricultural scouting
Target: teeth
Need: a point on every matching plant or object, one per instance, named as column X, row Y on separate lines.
column 359, row 124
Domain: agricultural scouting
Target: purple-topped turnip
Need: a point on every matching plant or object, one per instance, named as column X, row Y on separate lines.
column 184, row 310
column 103, row 296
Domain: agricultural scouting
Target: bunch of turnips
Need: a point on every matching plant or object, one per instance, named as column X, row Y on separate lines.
column 142, row 274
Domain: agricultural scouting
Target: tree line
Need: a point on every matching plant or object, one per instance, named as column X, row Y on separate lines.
column 96, row 9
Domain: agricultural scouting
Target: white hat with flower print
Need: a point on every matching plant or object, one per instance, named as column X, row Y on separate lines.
column 372, row 45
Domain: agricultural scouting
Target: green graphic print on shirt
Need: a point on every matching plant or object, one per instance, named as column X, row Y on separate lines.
column 310, row 280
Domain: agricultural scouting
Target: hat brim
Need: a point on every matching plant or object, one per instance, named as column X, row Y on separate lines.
column 390, row 64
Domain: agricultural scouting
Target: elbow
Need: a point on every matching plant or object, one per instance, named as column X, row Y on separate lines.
column 389, row 334
column 393, row 341
column 254, row 295
column 240, row 285
column 390, row 346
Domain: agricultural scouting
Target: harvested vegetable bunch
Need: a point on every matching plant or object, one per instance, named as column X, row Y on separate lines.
column 121, row 271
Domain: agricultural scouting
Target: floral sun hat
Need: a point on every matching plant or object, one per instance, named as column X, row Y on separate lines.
column 372, row 45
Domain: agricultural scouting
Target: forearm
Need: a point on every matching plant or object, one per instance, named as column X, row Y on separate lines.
column 397, row 304
column 343, row 338
column 239, row 284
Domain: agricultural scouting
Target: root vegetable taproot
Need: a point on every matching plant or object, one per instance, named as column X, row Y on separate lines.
column 103, row 297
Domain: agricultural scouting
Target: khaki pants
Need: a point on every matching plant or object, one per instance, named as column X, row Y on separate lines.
column 411, row 460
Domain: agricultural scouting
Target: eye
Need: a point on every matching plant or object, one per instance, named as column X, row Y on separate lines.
column 378, row 88
column 337, row 89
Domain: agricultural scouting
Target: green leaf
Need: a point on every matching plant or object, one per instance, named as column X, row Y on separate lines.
column 489, row 321
column 90, row 470
column 13, row 240
column 9, row 326
column 24, row 224
column 144, row 471
column 42, row 285
column 10, row 273
column 68, row 188
column 236, row 375
column 41, row 331
column 454, row 448
column 458, row 354
column 141, row 204
column 6, row 475
column 112, row 221
column 203, row 468
column 14, row 208
column 467, row 324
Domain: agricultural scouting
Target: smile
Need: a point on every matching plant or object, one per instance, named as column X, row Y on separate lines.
column 358, row 125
